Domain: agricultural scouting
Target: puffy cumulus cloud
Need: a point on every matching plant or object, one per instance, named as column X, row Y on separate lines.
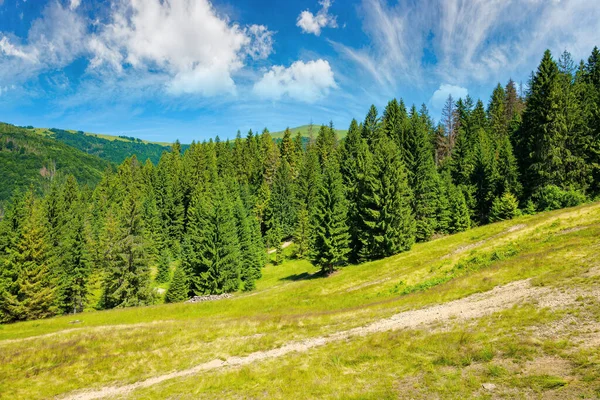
column 311, row 23
column 185, row 39
column 261, row 42
column 74, row 4
column 302, row 81
column 441, row 95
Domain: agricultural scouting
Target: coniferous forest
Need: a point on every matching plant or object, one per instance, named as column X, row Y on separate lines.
column 213, row 210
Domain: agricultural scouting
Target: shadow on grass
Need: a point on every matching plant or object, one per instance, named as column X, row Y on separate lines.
column 305, row 276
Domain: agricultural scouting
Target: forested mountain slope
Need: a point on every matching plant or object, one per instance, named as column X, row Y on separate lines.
column 29, row 159
column 112, row 148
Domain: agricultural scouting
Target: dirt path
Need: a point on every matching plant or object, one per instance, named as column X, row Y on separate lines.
column 283, row 246
column 474, row 306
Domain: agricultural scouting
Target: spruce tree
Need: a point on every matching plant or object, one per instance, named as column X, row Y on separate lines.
column 127, row 278
column 460, row 219
column 388, row 225
column 163, row 273
column 75, row 268
column 250, row 261
column 372, row 127
column 503, row 208
column 178, row 289
column 214, row 259
column 282, row 206
column 29, row 291
column 542, row 136
column 422, row 178
column 331, row 238
column 350, row 175
column 302, row 233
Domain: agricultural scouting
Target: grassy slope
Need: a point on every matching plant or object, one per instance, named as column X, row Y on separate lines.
column 21, row 163
column 290, row 303
column 304, row 130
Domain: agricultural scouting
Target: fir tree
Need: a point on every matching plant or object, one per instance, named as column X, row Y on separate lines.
column 302, row 233
column 215, row 253
column 127, row 278
column 542, row 136
column 163, row 274
column 281, row 209
column 505, row 207
column 178, row 289
column 29, row 292
column 330, row 242
column 385, row 208
column 422, row 178
column 250, row 261
column 459, row 211
column 75, row 266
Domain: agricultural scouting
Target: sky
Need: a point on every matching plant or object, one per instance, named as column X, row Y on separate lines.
column 193, row 69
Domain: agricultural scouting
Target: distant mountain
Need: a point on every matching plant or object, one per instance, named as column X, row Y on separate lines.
column 27, row 158
column 111, row 148
column 305, row 131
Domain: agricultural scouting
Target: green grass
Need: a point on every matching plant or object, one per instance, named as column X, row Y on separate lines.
column 305, row 132
column 292, row 302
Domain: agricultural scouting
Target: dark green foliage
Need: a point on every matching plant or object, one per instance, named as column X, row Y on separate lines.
column 505, row 207
column 214, row 259
column 216, row 208
column 251, row 260
column 422, row 177
column 281, row 210
column 179, row 288
column 302, row 233
column 28, row 291
column 460, row 219
column 127, row 276
column 115, row 151
column 28, row 159
column 163, row 274
column 75, row 268
column 387, row 223
column 331, row 238
column 552, row 197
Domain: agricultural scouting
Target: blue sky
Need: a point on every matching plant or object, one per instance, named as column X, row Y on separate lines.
column 194, row 69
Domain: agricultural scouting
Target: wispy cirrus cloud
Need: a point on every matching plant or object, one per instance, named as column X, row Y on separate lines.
column 469, row 41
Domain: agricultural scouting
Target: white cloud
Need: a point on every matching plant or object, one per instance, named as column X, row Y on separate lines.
column 261, row 43
column 74, row 4
column 440, row 96
column 311, row 23
column 185, row 39
column 53, row 41
column 459, row 41
column 306, row 82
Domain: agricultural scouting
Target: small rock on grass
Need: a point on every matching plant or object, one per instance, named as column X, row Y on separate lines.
column 489, row 386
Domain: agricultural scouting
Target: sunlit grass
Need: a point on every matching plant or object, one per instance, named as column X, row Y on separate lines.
column 292, row 302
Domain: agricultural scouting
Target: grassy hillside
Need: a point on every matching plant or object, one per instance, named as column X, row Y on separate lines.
column 305, row 131
column 29, row 159
column 346, row 335
column 111, row 148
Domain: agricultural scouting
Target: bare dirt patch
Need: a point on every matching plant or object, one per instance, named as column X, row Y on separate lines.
column 474, row 306
column 463, row 249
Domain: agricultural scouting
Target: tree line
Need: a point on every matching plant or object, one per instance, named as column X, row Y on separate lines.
column 397, row 178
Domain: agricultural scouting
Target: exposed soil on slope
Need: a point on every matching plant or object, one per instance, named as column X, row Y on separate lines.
column 471, row 307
